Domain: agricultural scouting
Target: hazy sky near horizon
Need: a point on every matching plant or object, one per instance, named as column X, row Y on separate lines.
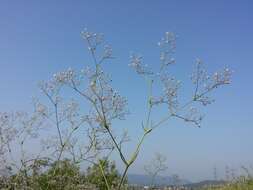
column 39, row 38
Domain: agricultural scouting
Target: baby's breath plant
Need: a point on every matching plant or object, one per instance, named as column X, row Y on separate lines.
column 155, row 167
column 81, row 129
column 106, row 104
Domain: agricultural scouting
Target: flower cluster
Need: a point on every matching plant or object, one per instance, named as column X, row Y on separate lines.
column 167, row 47
column 171, row 87
column 64, row 76
column 138, row 66
column 107, row 52
column 204, row 83
column 94, row 41
column 7, row 130
column 193, row 116
column 169, row 95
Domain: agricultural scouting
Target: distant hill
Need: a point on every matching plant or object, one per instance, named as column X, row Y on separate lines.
column 138, row 179
column 206, row 183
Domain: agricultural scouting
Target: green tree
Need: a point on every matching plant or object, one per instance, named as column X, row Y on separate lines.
column 62, row 175
column 109, row 171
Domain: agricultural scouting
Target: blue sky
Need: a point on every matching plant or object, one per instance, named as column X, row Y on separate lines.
column 39, row 38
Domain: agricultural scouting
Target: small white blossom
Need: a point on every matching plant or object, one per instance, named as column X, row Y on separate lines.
column 136, row 63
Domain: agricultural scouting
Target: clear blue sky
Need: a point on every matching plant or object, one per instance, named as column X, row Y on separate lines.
column 38, row 38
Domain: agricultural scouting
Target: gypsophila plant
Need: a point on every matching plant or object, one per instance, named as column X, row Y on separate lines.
column 155, row 167
column 94, row 85
column 81, row 129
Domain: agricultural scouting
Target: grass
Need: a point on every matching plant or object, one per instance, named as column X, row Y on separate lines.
column 241, row 184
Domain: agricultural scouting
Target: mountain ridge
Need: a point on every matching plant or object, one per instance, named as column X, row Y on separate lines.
column 141, row 179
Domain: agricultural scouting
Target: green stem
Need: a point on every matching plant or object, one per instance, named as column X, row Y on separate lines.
column 103, row 173
column 123, row 177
